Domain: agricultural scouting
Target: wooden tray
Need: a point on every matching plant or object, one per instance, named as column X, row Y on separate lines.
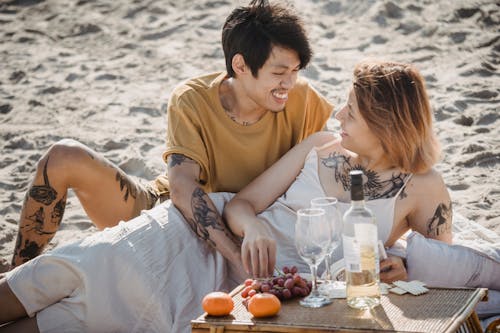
column 439, row 310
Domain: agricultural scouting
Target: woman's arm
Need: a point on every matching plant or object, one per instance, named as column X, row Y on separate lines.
column 258, row 248
column 273, row 182
column 432, row 211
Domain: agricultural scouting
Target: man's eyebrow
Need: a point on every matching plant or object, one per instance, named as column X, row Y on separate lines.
column 285, row 66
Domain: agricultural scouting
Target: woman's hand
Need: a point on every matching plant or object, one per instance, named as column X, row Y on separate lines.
column 258, row 251
column 393, row 269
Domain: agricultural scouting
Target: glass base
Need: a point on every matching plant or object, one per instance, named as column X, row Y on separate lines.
column 332, row 289
column 315, row 301
column 363, row 303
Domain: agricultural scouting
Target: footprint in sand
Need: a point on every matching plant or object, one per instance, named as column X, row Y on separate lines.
column 113, row 145
column 136, row 167
column 148, row 111
column 464, row 120
column 483, row 94
column 409, row 27
column 465, row 13
column 473, row 148
column 483, row 159
column 488, row 119
column 458, row 187
column 485, row 70
column 108, row 77
column 163, row 34
column 5, row 108
column 83, row 29
column 458, row 37
column 4, row 265
column 393, row 11
column 50, row 90
column 21, row 143
column 17, row 76
column 482, row 130
column 379, row 39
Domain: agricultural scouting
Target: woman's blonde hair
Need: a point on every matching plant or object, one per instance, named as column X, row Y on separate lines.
column 394, row 103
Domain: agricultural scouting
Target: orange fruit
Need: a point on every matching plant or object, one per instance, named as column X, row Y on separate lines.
column 264, row 305
column 217, row 303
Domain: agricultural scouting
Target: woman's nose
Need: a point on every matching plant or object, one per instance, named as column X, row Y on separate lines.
column 339, row 113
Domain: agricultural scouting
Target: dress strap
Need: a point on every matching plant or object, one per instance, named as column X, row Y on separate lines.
column 404, row 185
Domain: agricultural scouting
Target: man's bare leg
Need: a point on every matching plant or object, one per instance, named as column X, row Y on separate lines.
column 11, row 310
column 106, row 193
column 25, row 325
column 10, row 307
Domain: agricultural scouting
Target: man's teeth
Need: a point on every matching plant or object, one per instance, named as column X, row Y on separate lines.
column 280, row 95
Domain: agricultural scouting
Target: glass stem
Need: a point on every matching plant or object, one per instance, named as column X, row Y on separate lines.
column 314, row 290
column 328, row 271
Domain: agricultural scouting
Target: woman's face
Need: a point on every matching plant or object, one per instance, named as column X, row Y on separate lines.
column 355, row 134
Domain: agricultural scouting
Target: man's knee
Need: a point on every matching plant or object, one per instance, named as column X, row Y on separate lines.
column 64, row 156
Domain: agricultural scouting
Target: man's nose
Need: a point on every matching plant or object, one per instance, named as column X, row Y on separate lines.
column 288, row 82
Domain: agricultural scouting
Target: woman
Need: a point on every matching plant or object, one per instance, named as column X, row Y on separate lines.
column 151, row 273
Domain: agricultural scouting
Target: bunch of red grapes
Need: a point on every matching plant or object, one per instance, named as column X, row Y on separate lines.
column 286, row 285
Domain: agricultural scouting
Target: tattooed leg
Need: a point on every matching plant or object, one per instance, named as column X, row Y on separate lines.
column 36, row 229
column 41, row 216
column 130, row 189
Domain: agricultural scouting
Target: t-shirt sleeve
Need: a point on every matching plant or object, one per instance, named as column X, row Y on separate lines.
column 319, row 110
column 184, row 134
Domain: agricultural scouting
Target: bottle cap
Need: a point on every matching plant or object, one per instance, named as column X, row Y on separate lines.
column 356, row 185
column 356, row 177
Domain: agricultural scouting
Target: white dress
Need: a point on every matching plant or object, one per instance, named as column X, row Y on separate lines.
column 151, row 273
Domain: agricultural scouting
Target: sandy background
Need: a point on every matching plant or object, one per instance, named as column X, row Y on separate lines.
column 99, row 72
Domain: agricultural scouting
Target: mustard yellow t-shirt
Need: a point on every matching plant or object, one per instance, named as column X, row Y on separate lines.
column 232, row 155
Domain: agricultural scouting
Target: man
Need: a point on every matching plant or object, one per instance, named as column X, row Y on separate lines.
column 224, row 129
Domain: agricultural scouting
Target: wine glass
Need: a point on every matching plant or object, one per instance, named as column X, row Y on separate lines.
column 329, row 204
column 312, row 238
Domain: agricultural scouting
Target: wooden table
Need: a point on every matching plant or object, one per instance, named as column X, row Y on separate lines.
column 439, row 310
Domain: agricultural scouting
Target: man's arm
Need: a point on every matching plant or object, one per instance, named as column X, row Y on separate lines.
column 199, row 211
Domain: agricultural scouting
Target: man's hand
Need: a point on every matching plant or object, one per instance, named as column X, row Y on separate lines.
column 393, row 269
column 258, row 250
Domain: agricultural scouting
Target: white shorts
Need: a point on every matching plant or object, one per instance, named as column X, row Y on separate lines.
column 146, row 275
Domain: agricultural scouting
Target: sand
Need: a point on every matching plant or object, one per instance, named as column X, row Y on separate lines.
column 100, row 72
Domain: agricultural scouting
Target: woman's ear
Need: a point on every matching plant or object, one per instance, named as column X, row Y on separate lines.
column 239, row 65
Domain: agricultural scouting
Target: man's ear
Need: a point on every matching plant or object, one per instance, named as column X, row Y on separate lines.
column 239, row 65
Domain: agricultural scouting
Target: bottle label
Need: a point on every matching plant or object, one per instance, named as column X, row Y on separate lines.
column 361, row 251
column 352, row 254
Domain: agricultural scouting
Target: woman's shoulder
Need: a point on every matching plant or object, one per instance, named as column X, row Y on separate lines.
column 326, row 141
column 321, row 139
column 429, row 185
column 427, row 180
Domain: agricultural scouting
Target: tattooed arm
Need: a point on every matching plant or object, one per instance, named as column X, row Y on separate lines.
column 432, row 213
column 199, row 211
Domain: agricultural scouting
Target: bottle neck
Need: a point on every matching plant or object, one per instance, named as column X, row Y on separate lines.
column 357, row 193
column 357, row 203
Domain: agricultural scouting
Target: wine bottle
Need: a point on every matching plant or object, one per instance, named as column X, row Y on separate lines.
column 360, row 249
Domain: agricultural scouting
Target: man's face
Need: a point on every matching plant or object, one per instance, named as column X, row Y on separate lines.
column 274, row 80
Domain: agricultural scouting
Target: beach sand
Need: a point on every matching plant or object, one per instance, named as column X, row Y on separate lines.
column 100, row 71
